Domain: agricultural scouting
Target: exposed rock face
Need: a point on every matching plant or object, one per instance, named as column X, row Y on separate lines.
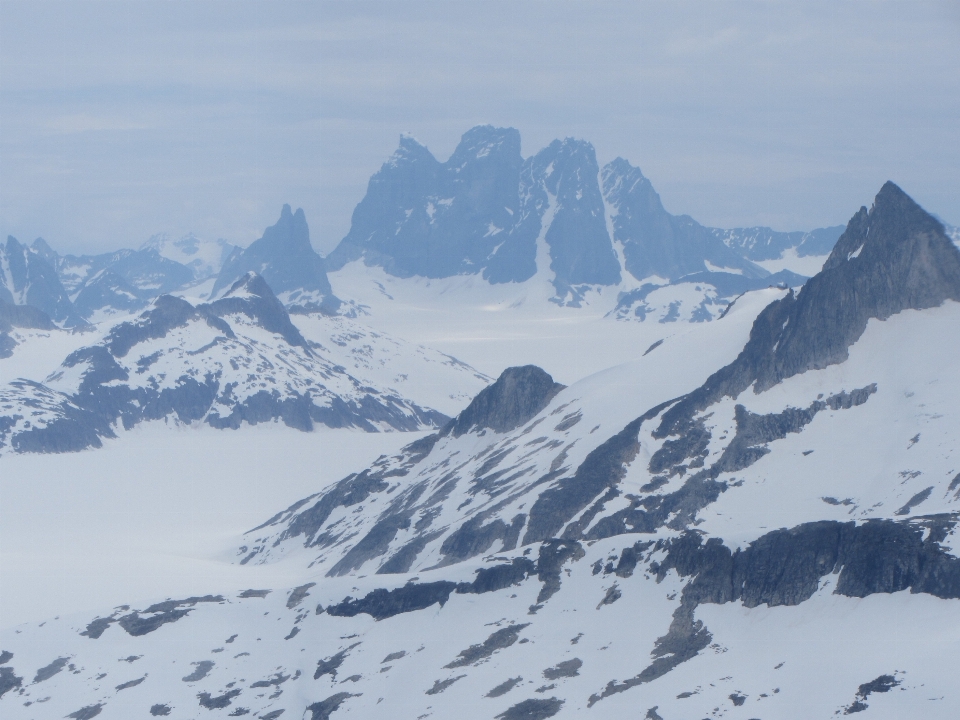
column 23, row 316
column 565, row 172
column 486, row 209
column 145, row 272
column 19, row 316
column 106, row 289
column 516, row 397
column 120, row 282
column 893, row 258
column 284, row 258
column 656, row 242
column 251, row 296
column 26, row 278
column 423, row 217
column 784, row 567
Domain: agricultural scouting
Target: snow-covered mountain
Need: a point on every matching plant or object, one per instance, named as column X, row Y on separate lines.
column 755, row 518
column 112, row 284
column 203, row 257
column 236, row 360
column 27, row 278
column 763, row 243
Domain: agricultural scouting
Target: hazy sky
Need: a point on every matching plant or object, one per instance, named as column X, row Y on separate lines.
column 119, row 120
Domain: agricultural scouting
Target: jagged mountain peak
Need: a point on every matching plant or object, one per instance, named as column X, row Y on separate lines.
column 290, row 231
column 893, row 258
column 409, row 150
column 485, row 140
column 619, row 177
column 28, row 278
column 251, row 296
column 250, row 284
column 42, row 247
column 286, row 260
column 890, row 233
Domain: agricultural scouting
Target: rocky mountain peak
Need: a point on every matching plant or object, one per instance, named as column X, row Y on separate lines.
column 43, row 249
column 251, row 296
column 290, row 232
column 484, row 141
column 892, row 258
column 286, row 260
column 516, row 397
column 28, row 279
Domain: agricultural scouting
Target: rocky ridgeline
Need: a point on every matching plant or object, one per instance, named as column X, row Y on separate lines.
column 236, row 360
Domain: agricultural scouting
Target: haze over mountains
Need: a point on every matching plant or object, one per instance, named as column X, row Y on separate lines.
column 485, row 211
column 751, row 508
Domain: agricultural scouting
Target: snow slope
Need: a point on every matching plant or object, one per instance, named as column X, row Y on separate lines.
column 587, row 637
column 756, row 517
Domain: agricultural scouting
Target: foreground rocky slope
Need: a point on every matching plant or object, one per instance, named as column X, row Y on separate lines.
column 664, row 539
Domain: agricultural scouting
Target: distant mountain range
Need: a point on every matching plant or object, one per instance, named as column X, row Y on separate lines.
column 486, row 211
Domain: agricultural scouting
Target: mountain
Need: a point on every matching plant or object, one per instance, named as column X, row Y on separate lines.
column 755, row 518
column 27, row 278
column 116, row 283
column 284, row 258
column 19, row 316
column 239, row 359
column 656, row 243
column 485, row 209
column 203, row 257
column 146, row 270
column 488, row 211
column 763, row 243
column 423, row 217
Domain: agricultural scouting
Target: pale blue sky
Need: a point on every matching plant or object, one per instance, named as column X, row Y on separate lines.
column 119, row 120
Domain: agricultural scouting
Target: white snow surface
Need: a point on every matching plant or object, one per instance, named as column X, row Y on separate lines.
column 287, row 651
column 493, row 327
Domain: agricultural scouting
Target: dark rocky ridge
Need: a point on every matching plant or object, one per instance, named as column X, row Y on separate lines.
column 517, row 396
column 19, row 316
column 785, row 567
column 894, row 258
column 35, row 282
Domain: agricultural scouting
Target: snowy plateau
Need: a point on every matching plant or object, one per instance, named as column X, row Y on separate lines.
column 540, row 451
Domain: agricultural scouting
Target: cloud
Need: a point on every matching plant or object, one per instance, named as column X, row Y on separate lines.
column 83, row 122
